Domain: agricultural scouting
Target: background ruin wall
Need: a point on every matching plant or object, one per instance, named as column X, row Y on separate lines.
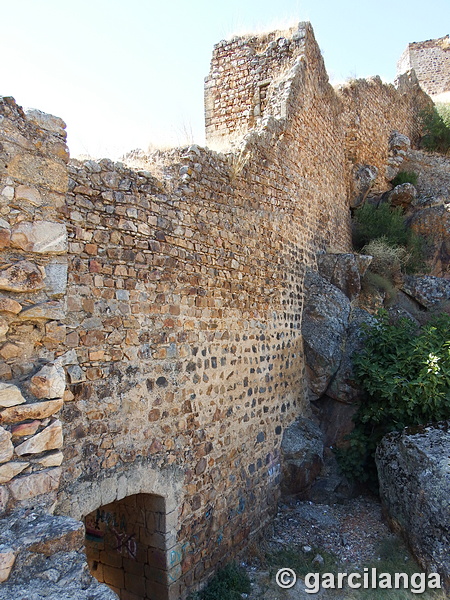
column 431, row 62
column 167, row 311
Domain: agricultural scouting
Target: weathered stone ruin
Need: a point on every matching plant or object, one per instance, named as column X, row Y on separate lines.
column 431, row 63
column 152, row 354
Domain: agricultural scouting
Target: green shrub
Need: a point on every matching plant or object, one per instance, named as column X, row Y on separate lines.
column 405, row 374
column 372, row 222
column 405, row 177
column 229, row 583
column 436, row 126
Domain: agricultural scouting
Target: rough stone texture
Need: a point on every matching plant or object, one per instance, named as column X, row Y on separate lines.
column 181, row 334
column 41, row 483
column 10, row 395
column 344, row 271
column 414, row 475
column 404, row 195
column 42, row 237
column 431, row 63
column 362, row 181
column 324, row 323
column 302, row 451
column 42, row 557
column 426, row 289
column 36, row 410
column 21, row 277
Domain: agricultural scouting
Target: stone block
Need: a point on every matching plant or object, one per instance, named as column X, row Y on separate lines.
column 50, row 438
column 29, row 194
column 51, row 460
column 9, row 305
column 56, row 278
column 11, row 469
column 10, row 395
column 44, row 311
column 6, row 446
column 37, row 410
column 22, row 277
column 42, row 237
column 36, row 484
column 49, row 382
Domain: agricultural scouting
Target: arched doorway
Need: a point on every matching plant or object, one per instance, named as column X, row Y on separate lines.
column 126, row 547
column 135, row 511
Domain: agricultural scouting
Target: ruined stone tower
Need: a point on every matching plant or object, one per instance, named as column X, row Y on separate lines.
column 431, row 62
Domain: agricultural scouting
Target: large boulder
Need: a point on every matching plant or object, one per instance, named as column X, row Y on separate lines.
column 302, row 452
column 42, row 556
column 325, row 319
column 344, row 271
column 414, row 474
column 403, row 195
column 427, row 290
column 343, row 387
column 399, row 145
column 433, row 222
column 363, row 178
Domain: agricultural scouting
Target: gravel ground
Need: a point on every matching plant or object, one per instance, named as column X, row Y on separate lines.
column 351, row 531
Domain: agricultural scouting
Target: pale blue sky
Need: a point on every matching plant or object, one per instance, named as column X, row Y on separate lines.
column 129, row 73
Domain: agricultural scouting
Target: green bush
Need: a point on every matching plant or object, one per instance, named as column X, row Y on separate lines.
column 372, row 222
column 406, row 376
column 436, row 126
column 405, row 177
column 229, row 583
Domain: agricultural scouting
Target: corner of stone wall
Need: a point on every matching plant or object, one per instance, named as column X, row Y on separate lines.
column 33, row 276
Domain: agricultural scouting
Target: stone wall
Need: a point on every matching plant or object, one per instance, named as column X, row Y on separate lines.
column 372, row 111
column 174, row 304
column 33, row 273
column 431, row 62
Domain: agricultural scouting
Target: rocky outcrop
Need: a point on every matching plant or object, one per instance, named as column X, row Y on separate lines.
column 302, row 451
column 363, row 178
column 42, row 556
column 427, row 290
column 325, row 319
column 414, row 474
column 399, row 145
column 332, row 333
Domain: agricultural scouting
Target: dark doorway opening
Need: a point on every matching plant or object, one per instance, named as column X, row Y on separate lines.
column 126, row 547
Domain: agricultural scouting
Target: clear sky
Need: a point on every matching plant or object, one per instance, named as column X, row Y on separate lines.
column 128, row 74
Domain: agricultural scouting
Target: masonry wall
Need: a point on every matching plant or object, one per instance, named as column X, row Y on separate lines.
column 33, row 274
column 184, row 303
column 372, row 110
column 431, row 62
column 179, row 328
